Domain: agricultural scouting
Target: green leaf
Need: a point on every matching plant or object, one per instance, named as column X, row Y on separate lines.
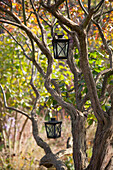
column 107, row 107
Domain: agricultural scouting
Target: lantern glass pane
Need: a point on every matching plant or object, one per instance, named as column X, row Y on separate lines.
column 61, row 47
column 58, row 130
column 50, row 130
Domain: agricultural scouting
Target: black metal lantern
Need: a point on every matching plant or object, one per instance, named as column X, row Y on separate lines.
column 60, row 47
column 53, row 128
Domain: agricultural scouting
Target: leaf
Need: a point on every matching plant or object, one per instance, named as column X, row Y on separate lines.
column 107, row 107
column 91, row 118
column 111, row 82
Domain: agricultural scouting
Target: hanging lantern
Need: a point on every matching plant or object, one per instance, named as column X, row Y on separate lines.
column 53, row 128
column 60, row 47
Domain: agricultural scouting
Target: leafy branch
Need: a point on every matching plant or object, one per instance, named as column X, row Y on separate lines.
column 12, row 108
column 17, row 43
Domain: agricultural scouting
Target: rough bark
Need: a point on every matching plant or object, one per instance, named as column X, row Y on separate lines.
column 103, row 146
column 89, row 77
column 51, row 159
column 79, row 142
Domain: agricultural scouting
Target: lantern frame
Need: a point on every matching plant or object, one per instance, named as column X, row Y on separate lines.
column 60, row 45
column 53, row 128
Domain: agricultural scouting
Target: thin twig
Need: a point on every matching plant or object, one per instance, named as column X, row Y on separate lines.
column 103, row 73
column 10, row 13
column 12, row 108
column 99, row 6
column 81, row 5
column 99, row 15
column 39, row 23
column 24, row 14
column 6, row 3
column 17, row 43
column 67, row 9
column 48, row 23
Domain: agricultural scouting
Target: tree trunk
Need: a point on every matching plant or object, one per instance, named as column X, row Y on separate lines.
column 79, row 142
column 103, row 146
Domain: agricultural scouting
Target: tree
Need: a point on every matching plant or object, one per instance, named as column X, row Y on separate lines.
column 37, row 20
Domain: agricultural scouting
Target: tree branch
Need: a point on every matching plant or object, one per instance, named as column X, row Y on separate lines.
column 24, row 15
column 12, row 108
column 74, row 70
column 105, row 44
column 47, row 22
column 88, row 18
column 98, row 6
column 69, row 23
column 65, row 28
column 10, row 13
column 7, row 3
column 89, row 5
column 99, row 15
column 104, row 84
column 67, row 9
column 51, row 159
column 99, row 113
column 57, row 4
column 55, row 160
column 10, row 22
column 30, row 34
column 34, row 120
column 38, row 20
column 81, row 5
column 56, row 86
column 34, row 88
column 102, row 73
column 17, row 43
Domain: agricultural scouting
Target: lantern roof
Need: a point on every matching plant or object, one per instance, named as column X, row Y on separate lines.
column 53, row 121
